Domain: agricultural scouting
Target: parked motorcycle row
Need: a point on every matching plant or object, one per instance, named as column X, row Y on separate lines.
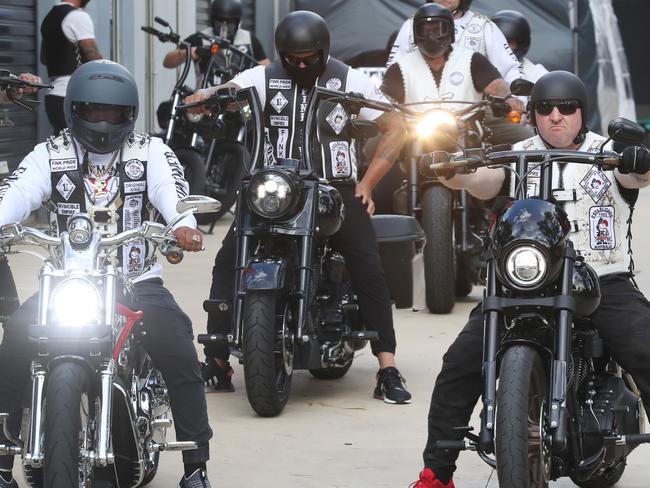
column 295, row 308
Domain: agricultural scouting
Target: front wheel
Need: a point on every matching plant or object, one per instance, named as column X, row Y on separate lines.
column 523, row 457
column 439, row 268
column 268, row 353
column 64, row 438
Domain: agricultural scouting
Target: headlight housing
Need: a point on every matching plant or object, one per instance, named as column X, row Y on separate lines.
column 526, row 266
column 80, row 229
column 274, row 194
column 437, row 130
column 75, row 302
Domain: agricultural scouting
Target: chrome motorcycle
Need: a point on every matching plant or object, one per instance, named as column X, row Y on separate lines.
column 98, row 407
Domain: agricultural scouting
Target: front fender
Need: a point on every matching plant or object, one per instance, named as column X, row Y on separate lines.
column 265, row 274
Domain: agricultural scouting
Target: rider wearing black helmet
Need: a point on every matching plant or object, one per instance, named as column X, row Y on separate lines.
column 101, row 167
column 593, row 199
column 303, row 43
column 516, row 29
column 225, row 21
column 436, row 68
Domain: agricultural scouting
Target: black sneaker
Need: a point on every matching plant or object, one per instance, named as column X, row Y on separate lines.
column 219, row 378
column 7, row 480
column 198, row 479
column 390, row 387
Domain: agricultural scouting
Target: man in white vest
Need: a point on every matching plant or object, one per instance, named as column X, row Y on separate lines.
column 100, row 166
column 558, row 106
column 436, row 70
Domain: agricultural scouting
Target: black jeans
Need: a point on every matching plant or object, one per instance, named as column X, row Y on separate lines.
column 55, row 114
column 169, row 342
column 357, row 242
column 622, row 320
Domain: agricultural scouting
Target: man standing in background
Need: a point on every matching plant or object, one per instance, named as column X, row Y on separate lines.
column 68, row 40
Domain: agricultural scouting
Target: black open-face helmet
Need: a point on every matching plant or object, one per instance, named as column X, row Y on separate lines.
column 101, row 105
column 560, row 86
column 464, row 5
column 433, row 29
column 516, row 28
column 225, row 16
column 299, row 32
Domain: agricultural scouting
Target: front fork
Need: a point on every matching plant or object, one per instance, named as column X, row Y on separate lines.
column 557, row 407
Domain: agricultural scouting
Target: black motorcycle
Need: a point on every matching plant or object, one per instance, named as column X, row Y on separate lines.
column 294, row 304
column 179, row 129
column 563, row 407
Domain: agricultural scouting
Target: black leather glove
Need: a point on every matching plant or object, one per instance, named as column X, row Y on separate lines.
column 635, row 159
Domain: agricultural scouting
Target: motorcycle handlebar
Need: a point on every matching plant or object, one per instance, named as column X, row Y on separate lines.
column 162, row 36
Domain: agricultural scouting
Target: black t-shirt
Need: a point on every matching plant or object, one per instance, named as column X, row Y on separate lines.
column 483, row 73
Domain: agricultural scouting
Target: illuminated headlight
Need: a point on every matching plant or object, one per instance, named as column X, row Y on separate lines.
column 526, row 266
column 272, row 194
column 433, row 121
column 194, row 118
column 75, row 302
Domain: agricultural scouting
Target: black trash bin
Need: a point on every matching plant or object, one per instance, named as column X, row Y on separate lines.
column 400, row 237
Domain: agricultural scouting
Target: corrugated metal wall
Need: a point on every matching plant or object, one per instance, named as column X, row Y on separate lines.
column 17, row 54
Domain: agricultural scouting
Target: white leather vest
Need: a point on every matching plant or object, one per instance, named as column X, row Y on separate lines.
column 598, row 213
column 456, row 82
column 473, row 36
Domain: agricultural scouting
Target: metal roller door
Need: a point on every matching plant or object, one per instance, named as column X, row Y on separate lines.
column 17, row 54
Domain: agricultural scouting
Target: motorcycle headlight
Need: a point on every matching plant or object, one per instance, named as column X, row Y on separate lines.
column 526, row 266
column 80, row 229
column 434, row 121
column 75, row 302
column 273, row 194
column 193, row 118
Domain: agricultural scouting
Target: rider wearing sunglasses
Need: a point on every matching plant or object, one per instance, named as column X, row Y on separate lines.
column 557, row 106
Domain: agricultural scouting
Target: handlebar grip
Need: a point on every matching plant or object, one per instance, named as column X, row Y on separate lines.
column 455, row 445
column 174, row 256
column 162, row 22
column 151, row 30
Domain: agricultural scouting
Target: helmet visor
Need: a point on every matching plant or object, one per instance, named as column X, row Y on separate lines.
column 296, row 61
column 432, row 28
column 102, row 112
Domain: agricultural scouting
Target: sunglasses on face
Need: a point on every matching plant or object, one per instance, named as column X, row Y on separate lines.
column 565, row 107
column 310, row 60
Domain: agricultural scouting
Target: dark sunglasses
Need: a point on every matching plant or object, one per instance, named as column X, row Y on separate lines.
column 308, row 61
column 565, row 107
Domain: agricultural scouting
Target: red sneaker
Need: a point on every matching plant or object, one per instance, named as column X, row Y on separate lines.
column 428, row 480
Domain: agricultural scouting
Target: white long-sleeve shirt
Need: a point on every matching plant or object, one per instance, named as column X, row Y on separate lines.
column 31, row 184
column 496, row 46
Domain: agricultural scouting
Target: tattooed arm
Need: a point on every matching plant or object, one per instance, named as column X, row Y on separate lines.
column 88, row 50
column 393, row 137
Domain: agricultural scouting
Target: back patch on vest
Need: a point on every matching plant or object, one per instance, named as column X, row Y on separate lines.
column 602, row 228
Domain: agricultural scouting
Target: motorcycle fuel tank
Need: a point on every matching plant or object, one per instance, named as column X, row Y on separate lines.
column 330, row 210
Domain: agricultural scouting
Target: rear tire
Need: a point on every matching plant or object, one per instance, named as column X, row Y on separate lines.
column 268, row 383
column 193, row 168
column 522, row 458
column 62, row 429
column 439, row 272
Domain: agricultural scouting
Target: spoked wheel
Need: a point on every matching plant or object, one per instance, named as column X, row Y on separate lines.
column 268, row 347
column 69, row 416
column 523, row 456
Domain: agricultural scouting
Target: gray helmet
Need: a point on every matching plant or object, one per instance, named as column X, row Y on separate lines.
column 101, row 105
column 560, row 85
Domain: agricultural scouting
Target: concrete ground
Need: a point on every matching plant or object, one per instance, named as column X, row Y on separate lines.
column 334, row 434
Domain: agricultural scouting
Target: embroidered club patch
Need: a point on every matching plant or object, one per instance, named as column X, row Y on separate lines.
column 68, row 208
column 134, row 169
column 340, row 153
column 602, row 227
column 472, row 43
column 456, row 78
column 333, row 84
column 337, row 118
column 65, row 186
column 135, row 186
column 278, row 102
column 279, row 121
column 595, row 183
column 474, row 28
column 279, row 84
column 57, row 165
column 283, row 137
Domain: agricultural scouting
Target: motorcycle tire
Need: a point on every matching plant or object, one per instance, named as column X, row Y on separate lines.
column 520, row 402
column 267, row 382
column 609, row 478
column 439, row 266
column 331, row 373
column 193, row 168
column 223, row 176
column 65, row 386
